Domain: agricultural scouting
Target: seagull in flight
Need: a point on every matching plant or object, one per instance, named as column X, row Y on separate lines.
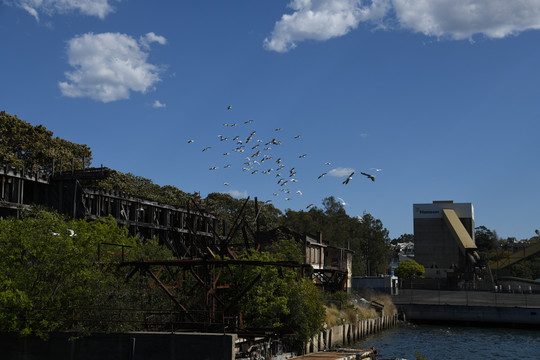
column 213, row 168
column 346, row 181
column 297, row 137
column 207, row 148
column 377, row 170
column 229, row 107
column 310, row 205
column 226, row 183
column 302, row 156
column 248, row 122
column 342, row 202
column 320, row 176
column 190, row 141
column 369, row 176
column 327, row 163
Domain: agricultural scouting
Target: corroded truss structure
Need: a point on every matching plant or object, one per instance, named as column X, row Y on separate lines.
column 204, row 257
column 206, row 277
column 179, row 228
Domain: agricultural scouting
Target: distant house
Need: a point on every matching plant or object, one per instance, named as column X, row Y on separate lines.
column 332, row 265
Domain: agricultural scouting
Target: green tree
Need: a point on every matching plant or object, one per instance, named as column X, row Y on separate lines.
column 486, row 239
column 228, row 208
column 365, row 235
column 374, row 247
column 403, row 238
column 26, row 146
column 409, row 269
column 143, row 187
column 306, row 311
column 286, row 249
column 278, row 297
column 51, row 265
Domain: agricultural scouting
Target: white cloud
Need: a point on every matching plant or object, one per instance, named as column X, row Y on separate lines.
column 31, row 11
column 99, row 8
column 321, row 20
column 150, row 37
column 108, row 67
column 237, row 193
column 452, row 19
column 340, row 172
column 157, row 104
column 461, row 19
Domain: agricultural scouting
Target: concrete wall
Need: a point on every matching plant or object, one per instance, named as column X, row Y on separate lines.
column 128, row 346
column 471, row 314
column 347, row 334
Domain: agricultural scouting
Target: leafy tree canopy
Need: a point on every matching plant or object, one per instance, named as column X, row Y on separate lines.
column 50, row 265
column 409, row 269
column 403, row 238
column 26, row 146
column 143, row 187
column 485, row 239
column 278, row 297
column 365, row 235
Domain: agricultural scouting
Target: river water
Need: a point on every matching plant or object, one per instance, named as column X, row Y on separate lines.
column 436, row 342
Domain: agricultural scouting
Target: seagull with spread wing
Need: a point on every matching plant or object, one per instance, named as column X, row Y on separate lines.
column 369, row 176
column 346, row 181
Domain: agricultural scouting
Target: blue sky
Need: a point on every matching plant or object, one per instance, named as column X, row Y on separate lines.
column 441, row 95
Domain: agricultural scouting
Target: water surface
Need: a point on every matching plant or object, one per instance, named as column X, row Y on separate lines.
column 453, row 342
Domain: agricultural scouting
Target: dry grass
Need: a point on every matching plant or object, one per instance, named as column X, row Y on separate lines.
column 359, row 311
column 386, row 300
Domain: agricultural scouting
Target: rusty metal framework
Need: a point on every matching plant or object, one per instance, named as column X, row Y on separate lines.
column 178, row 228
column 204, row 257
column 331, row 280
column 215, row 298
column 202, row 273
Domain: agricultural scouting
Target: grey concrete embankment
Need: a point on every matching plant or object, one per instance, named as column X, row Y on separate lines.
column 515, row 309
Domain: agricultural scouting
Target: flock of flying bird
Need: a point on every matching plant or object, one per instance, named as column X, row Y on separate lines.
column 257, row 155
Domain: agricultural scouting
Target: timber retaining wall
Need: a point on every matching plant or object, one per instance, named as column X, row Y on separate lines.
column 346, row 334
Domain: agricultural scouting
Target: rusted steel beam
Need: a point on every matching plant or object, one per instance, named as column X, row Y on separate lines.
column 222, row 262
column 258, row 238
column 234, row 229
column 242, row 293
column 202, row 244
column 210, row 226
column 171, row 296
